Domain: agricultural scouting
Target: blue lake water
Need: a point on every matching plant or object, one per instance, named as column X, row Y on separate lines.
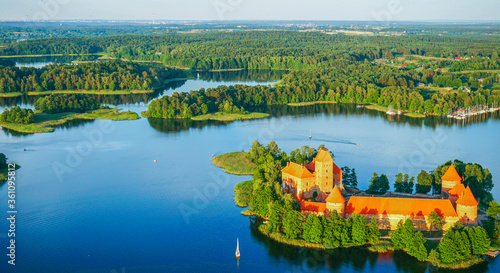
column 91, row 199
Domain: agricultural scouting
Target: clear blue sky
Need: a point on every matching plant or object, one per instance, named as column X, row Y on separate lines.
column 366, row 10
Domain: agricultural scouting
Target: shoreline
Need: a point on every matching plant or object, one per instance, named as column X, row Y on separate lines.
column 85, row 92
column 230, row 161
column 384, row 109
column 46, row 122
column 218, row 116
column 307, row 103
column 48, row 55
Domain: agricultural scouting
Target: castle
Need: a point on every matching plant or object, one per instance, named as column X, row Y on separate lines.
column 321, row 183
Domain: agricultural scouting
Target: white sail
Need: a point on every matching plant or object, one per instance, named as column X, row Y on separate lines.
column 237, row 248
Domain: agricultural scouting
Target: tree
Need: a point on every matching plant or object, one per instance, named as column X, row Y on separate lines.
column 373, row 231
column 478, row 237
column 416, row 246
column 263, row 195
column 448, row 250
column 408, row 184
column 493, row 210
column 397, row 236
column 354, row 179
column 398, row 183
column 292, row 224
column 435, row 221
column 359, row 229
column 3, row 161
column 407, row 233
column 463, row 244
column 434, row 257
column 274, row 223
column 346, row 176
column 313, row 229
column 378, row 184
column 424, row 182
column 332, row 237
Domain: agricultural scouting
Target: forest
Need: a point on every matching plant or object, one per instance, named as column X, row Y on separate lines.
column 17, row 115
column 322, row 67
column 106, row 75
column 77, row 103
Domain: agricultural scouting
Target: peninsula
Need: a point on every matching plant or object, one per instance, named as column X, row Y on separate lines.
column 311, row 202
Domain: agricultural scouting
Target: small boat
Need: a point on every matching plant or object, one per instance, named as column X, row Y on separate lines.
column 237, row 248
column 310, row 134
column 154, row 161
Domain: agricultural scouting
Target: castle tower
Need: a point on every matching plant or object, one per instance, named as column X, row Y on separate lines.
column 450, row 179
column 455, row 193
column 323, row 165
column 467, row 207
column 335, row 201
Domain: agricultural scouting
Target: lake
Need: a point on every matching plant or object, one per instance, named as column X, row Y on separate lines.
column 91, row 199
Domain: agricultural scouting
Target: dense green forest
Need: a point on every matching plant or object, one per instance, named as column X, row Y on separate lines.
column 324, row 67
column 77, row 103
column 17, row 115
column 255, row 49
column 109, row 75
column 342, row 81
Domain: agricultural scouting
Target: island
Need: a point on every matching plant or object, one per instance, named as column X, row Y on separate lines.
column 104, row 78
column 305, row 199
column 4, row 168
column 56, row 110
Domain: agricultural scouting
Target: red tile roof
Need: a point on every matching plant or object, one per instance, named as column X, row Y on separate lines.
column 399, row 206
column 457, row 190
column 451, row 174
column 312, row 206
column 336, row 169
column 335, row 196
column 311, row 166
column 297, row 170
column 467, row 198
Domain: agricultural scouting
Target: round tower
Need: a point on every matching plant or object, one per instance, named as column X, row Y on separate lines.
column 335, row 201
column 467, row 207
column 450, row 179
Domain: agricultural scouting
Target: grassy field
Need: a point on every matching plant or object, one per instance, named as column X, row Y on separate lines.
column 44, row 122
column 234, row 163
column 415, row 115
column 385, row 109
column 10, row 94
column 463, row 264
column 230, row 116
column 382, row 246
column 377, row 107
column 308, row 103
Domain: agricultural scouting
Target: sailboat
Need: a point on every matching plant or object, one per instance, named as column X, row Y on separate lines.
column 237, row 248
column 310, row 134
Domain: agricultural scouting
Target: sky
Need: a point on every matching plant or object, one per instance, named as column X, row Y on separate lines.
column 342, row 10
